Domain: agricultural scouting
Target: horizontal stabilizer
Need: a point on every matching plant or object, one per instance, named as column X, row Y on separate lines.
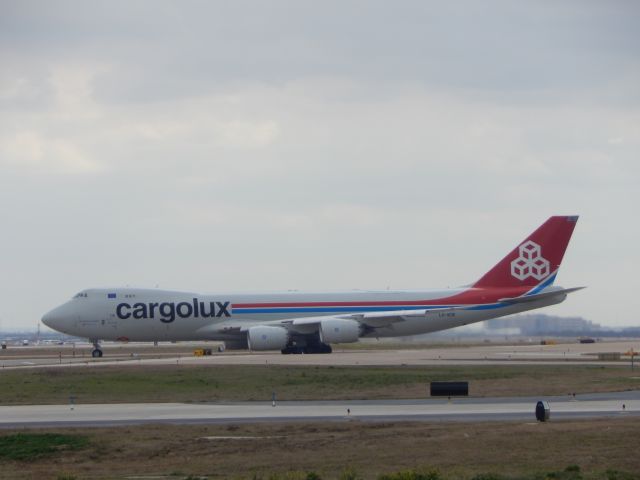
column 540, row 296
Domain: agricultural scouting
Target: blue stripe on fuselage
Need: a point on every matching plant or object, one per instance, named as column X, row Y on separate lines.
column 487, row 307
column 361, row 309
column 339, row 309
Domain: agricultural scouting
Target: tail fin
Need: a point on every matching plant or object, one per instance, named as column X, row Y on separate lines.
column 536, row 260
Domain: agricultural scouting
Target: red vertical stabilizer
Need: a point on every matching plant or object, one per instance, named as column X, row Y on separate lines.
column 535, row 260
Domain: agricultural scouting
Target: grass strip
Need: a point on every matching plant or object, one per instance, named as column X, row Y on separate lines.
column 33, row 446
column 204, row 383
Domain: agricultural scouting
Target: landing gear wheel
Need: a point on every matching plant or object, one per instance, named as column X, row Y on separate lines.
column 319, row 348
column 315, row 348
column 292, row 349
column 96, row 353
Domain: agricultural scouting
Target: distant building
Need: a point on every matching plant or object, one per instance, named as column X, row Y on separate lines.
column 540, row 324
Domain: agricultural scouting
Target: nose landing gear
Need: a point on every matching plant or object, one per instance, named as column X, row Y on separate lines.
column 97, row 351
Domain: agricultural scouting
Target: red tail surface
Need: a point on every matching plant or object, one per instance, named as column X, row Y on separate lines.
column 536, row 259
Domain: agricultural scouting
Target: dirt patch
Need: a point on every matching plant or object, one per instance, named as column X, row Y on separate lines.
column 258, row 450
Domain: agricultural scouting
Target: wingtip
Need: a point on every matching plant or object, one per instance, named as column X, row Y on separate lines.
column 574, row 289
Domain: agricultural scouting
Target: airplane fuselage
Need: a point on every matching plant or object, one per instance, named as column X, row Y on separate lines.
column 133, row 314
column 296, row 322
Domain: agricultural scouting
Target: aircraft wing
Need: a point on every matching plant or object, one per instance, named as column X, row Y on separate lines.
column 307, row 325
column 369, row 320
column 372, row 320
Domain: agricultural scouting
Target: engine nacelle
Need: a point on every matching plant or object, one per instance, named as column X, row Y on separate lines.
column 267, row 338
column 336, row 330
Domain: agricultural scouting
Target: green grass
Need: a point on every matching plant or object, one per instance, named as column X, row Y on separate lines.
column 33, row 446
column 171, row 383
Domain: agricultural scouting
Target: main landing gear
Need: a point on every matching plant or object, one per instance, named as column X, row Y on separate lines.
column 314, row 348
column 97, row 351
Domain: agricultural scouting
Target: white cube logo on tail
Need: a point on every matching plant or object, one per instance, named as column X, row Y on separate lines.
column 530, row 263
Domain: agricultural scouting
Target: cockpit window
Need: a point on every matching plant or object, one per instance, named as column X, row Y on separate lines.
column 81, row 295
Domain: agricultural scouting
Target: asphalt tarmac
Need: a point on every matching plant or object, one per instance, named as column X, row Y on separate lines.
column 519, row 354
column 428, row 410
column 459, row 409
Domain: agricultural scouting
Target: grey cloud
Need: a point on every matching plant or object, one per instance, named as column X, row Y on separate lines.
column 166, row 49
column 252, row 145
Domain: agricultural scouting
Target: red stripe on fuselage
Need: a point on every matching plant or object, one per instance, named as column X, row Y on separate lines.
column 474, row 296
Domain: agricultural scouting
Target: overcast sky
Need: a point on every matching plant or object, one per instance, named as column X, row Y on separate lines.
column 219, row 146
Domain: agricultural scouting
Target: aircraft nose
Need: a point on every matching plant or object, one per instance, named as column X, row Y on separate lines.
column 55, row 319
column 49, row 319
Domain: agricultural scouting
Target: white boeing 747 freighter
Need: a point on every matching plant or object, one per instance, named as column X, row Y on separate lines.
column 295, row 322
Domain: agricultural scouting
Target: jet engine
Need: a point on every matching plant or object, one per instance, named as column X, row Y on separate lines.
column 267, row 338
column 337, row 330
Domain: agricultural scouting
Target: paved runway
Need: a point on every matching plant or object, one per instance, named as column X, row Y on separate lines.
column 134, row 354
column 430, row 410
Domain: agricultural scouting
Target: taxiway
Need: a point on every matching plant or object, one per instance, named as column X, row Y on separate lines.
column 164, row 354
column 462, row 409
